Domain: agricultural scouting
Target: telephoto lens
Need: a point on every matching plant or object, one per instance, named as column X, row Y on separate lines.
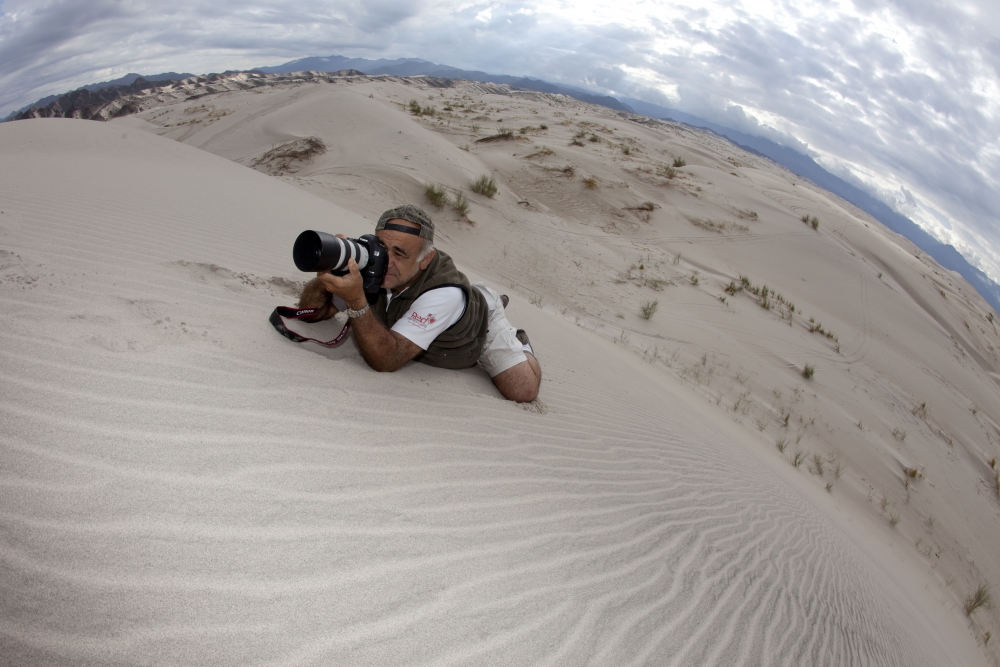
column 319, row 251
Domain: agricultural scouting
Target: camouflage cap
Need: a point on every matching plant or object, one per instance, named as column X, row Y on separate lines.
column 410, row 213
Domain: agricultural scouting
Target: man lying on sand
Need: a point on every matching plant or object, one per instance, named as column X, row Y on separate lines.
column 427, row 311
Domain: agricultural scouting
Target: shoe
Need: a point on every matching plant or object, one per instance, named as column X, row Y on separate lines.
column 522, row 336
column 504, row 300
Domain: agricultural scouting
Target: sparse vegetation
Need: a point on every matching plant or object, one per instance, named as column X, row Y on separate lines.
column 503, row 133
column 920, row 411
column 668, row 172
column 648, row 309
column 485, row 185
column 781, row 444
column 798, row 459
column 461, row 204
column 435, row 195
column 417, row 110
column 679, row 162
column 540, row 152
column 893, row 519
column 981, row 598
column 813, row 221
column 590, row 182
column 808, row 371
column 288, row 156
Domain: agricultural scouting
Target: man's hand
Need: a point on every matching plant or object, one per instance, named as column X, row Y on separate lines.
column 350, row 288
column 315, row 295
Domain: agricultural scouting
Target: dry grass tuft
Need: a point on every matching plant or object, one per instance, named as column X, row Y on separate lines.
column 590, row 182
column 435, row 195
column 981, row 598
column 485, row 185
column 289, row 156
column 503, row 134
column 460, row 204
column 541, row 152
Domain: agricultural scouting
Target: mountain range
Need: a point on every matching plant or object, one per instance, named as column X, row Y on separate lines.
column 802, row 165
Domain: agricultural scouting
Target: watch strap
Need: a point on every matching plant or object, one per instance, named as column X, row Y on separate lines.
column 354, row 314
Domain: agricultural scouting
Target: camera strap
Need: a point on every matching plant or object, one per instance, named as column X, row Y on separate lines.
column 282, row 313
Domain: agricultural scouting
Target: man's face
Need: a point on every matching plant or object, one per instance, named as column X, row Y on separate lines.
column 403, row 250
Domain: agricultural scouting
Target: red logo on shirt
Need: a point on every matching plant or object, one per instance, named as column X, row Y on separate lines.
column 422, row 322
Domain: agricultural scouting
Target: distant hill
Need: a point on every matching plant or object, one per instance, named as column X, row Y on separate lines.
column 126, row 80
column 417, row 66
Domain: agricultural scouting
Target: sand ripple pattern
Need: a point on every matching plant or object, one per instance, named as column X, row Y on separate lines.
column 233, row 499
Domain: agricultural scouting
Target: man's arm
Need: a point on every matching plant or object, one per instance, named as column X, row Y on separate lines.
column 382, row 349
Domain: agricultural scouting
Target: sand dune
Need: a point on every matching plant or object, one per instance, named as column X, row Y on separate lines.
column 181, row 485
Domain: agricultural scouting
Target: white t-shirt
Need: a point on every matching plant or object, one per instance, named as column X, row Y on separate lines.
column 430, row 315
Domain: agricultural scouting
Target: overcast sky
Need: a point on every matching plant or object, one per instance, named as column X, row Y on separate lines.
column 902, row 97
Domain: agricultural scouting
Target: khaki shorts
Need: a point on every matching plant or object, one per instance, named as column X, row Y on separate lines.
column 502, row 350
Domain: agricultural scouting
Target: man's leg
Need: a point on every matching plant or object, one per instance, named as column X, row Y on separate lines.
column 506, row 355
column 521, row 382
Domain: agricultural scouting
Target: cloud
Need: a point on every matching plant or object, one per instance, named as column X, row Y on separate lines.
column 900, row 96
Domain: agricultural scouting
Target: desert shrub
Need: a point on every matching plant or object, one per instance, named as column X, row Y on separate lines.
column 544, row 150
column 808, row 371
column 576, row 142
column 812, row 221
column 417, row 110
column 485, row 185
column 669, row 172
column 594, row 138
column 626, row 150
column 648, row 309
column 590, row 182
column 679, row 162
column 283, row 158
column 460, row 204
column 981, row 598
column 543, row 126
column 435, row 195
column 503, row 134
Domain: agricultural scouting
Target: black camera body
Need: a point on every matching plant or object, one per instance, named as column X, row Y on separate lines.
column 319, row 251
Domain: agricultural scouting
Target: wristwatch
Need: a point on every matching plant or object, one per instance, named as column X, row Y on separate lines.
column 354, row 314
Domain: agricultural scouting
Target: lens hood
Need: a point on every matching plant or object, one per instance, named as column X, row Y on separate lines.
column 316, row 251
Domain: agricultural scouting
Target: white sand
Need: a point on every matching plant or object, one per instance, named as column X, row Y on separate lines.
column 181, row 485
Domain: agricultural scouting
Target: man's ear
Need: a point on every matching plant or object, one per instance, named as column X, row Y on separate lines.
column 426, row 261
